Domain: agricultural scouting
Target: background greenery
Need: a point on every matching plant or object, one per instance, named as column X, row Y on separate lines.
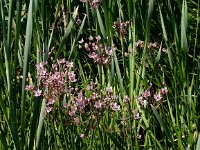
column 29, row 30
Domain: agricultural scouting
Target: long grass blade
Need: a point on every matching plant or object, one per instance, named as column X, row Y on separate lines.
column 166, row 130
column 68, row 30
column 29, row 28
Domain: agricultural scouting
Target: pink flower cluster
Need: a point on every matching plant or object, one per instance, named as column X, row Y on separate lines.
column 149, row 97
column 97, row 51
column 53, row 82
column 91, row 102
column 140, row 44
column 121, row 27
column 94, row 3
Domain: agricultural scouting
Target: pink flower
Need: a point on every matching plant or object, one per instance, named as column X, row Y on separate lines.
column 66, row 105
column 157, row 97
column 82, row 136
column 109, row 52
column 51, row 100
column 139, row 98
column 94, row 95
column 87, row 46
column 146, row 94
column 136, row 115
column 73, row 110
column 98, row 105
column 139, row 136
column 95, row 3
column 164, row 90
column 69, row 64
column 95, row 47
column 80, row 46
column 89, row 87
column 80, row 103
column 115, row 107
column 90, row 38
column 71, row 76
column 94, row 56
column 43, row 72
column 114, row 97
column 106, row 61
column 29, row 87
column 38, row 93
column 41, row 65
column 55, row 67
column 72, row 113
column 98, row 38
column 126, row 98
column 81, row 41
column 76, row 121
column 109, row 89
column 62, row 61
column 164, row 50
column 48, row 109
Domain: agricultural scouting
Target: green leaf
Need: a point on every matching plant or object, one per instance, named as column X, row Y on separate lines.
column 166, row 130
column 68, row 30
column 102, row 28
column 29, row 29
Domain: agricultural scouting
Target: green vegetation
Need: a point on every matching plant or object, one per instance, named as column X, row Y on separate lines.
column 99, row 74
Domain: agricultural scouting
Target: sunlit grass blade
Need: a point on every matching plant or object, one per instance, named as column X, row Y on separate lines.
column 184, row 23
column 40, row 123
column 166, row 39
column 158, row 55
column 184, row 43
column 198, row 143
column 101, row 25
column 132, row 61
column 118, row 72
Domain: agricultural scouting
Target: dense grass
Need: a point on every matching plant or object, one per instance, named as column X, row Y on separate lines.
column 146, row 47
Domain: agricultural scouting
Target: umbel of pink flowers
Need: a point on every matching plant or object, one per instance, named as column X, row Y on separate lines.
column 58, row 80
column 53, row 83
column 149, row 97
column 91, row 105
column 94, row 3
column 96, row 50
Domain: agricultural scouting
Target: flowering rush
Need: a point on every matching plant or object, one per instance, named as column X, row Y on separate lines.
column 53, row 81
column 91, row 102
column 94, row 3
column 99, row 53
column 149, row 97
